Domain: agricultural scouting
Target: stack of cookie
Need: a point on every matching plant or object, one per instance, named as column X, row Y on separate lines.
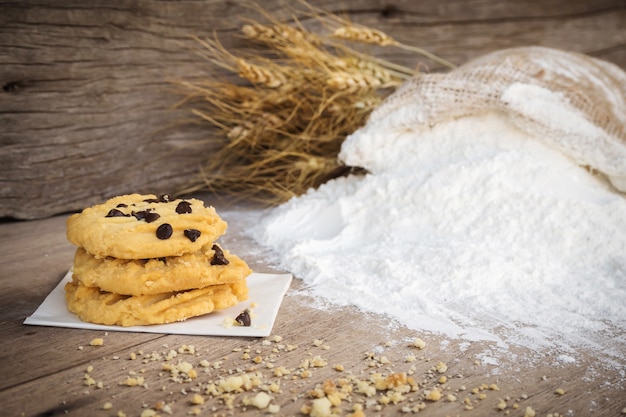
column 143, row 259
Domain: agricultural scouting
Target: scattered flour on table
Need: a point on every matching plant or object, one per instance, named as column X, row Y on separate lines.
column 471, row 229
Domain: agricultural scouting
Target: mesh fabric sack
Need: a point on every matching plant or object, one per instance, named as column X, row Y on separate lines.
column 573, row 102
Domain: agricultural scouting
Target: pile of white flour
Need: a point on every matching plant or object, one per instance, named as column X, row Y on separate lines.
column 470, row 229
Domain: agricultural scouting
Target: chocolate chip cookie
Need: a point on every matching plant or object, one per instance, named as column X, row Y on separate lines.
column 137, row 226
column 209, row 266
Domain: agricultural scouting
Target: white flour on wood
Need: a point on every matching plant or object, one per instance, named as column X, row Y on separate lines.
column 471, row 228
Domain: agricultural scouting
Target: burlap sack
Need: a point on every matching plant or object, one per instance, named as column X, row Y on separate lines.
column 572, row 102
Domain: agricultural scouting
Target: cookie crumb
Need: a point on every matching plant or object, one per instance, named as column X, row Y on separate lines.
column 419, row 343
column 433, row 395
column 98, row 341
column 501, row 405
column 321, row 408
column 132, row 382
column 529, row 412
column 261, row 400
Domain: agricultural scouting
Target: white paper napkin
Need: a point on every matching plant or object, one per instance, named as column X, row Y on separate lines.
column 266, row 293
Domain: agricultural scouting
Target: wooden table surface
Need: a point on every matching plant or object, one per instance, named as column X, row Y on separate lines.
column 314, row 348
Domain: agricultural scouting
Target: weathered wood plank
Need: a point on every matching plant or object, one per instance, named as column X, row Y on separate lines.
column 85, row 104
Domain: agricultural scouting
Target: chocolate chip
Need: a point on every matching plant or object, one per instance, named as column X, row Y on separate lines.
column 192, row 234
column 244, row 318
column 218, row 256
column 122, row 205
column 115, row 213
column 163, row 198
column 164, row 231
column 147, row 215
column 151, row 216
column 139, row 215
column 183, row 207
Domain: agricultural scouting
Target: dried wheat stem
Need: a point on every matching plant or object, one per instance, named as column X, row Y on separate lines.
column 215, row 53
column 209, row 119
column 427, row 54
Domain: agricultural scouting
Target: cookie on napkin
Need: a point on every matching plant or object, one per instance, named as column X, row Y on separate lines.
column 143, row 259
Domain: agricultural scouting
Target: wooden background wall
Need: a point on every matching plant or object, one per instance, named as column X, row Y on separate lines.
column 85, row 100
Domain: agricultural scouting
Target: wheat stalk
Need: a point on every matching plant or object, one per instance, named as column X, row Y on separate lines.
column 347, row 30
column 281, row 127
column 269, row 76
column 365, row 35
column 376, row 37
